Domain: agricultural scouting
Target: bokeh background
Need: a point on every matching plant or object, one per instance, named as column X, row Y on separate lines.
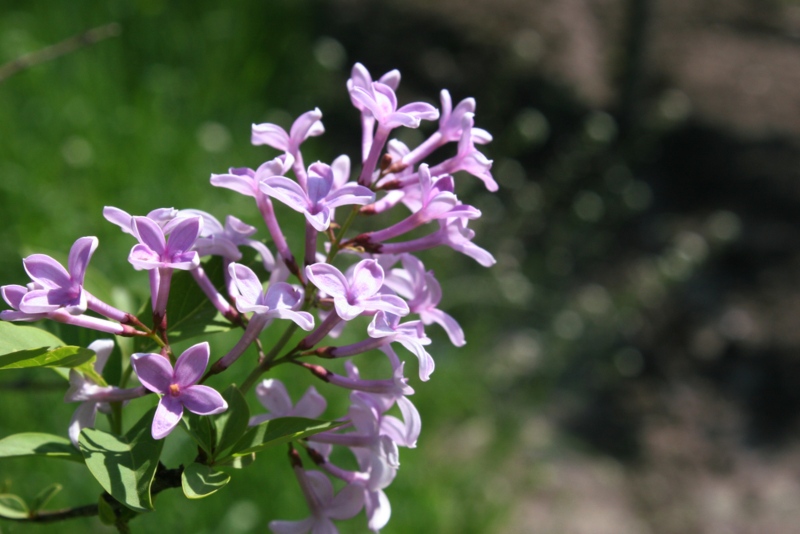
column 632, row 361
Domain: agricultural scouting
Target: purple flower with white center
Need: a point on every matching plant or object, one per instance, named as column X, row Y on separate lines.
column 13, row 295
column 381, row 101
column 92, row 396
column 178, row 386
column 161, row 216
column 318, row 201
column 359, row 294
column 309, row 124
column 272, row 394
column 423, row 293
column 154, row 251
column 279, row 301
column 246, row 181
column 411, row 335
column 468, row 158
column 360, row 77
column 322, row 503
column 56, row 287
column 218, row 240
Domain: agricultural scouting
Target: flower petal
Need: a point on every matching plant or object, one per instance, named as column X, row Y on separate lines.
column 46, row 271
column 150, row 234
column 272, row 394
column 168, row 415
column 183, row 235
column 192, row 363
column 367, row 279
column 79, row 256
column 154, row 371
column 311, row 405
column 202, row 400
column 247, row 284
column 328, row 278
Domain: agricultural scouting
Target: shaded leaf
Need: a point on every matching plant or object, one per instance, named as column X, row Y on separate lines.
column 12, row 507
column 38, row 444
column 201, row 430
column 44, row 496
column 124, row 465
column 78, row 358
column 15, row 338
column 278, row 431
column 200, row 481
column 232, row 423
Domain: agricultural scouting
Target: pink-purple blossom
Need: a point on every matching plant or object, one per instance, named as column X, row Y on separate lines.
column 178, row 386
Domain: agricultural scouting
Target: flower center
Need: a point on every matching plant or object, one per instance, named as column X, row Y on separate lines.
column 174, row 390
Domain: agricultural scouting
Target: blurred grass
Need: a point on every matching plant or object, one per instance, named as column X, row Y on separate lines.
column 139, row 122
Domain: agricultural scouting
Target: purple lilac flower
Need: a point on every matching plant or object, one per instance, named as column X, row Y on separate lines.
column 93, row 397
column 360, row 293
column 56, row 287
column 309, row 124
column 178, row 386
column 423, row 293
column 360, row 77
column 317, row 201
column 410, row 334
column 272, row 395
column 322, row 503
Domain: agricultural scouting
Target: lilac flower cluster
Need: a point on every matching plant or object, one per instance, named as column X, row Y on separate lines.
column 385, row 283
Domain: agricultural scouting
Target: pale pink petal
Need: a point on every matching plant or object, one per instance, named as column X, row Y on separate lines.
column 84, row 417
column 378, row 510
column 121, row 218
column 150, row 234
column 367, row 279
column 310, row 405
column 292, row 527
column 347, row 503
column 240, row 183
column 184, row 234
column 272, row 394
column 287, row 191
column 271, row 135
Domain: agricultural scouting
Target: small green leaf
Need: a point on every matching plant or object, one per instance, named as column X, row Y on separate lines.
column 278, row 431
column 232, row 423
column 38, row 444
column 124, row 465
column 201, row 430
column 44, row 496
column 77, row 358
column 12, row 507
column 200, row 481
column 15, row 338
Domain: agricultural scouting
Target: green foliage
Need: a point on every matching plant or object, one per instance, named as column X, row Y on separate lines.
column 44, row 496
column 124, row 465
column 12, row 507
column 200, row 481
column 279, row 431
column 38, row 444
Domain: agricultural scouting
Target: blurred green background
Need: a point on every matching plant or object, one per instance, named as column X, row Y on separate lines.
column 631, row 364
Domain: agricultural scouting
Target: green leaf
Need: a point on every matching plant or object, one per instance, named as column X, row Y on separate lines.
column 78, row 358
column 278, row 431
column 124, row 465
column 15, row 338
column 45, row 495
column 201, row 430
column 105, row 511
column 12, row 507
column 232, row 423
column 200, row 481
column 189, row 311
column 38, row 444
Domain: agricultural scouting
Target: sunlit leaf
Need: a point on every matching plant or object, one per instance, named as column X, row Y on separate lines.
column 278, row 431
column 232, row 423
column 124, row 465
column 38, row 444
column 200, row 481
column 12, row 507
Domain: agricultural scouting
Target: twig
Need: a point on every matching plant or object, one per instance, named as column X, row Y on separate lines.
column 51, row 52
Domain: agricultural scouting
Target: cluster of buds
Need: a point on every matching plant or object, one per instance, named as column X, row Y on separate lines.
column 380, row 279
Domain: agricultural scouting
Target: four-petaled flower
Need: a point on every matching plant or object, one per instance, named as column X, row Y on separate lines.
column 178, row 386
column 361, row 293
column 154, row 251
column 56, row 287
column 318, row 202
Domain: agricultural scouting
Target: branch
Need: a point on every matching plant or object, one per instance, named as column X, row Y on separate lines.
column 51, row 52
